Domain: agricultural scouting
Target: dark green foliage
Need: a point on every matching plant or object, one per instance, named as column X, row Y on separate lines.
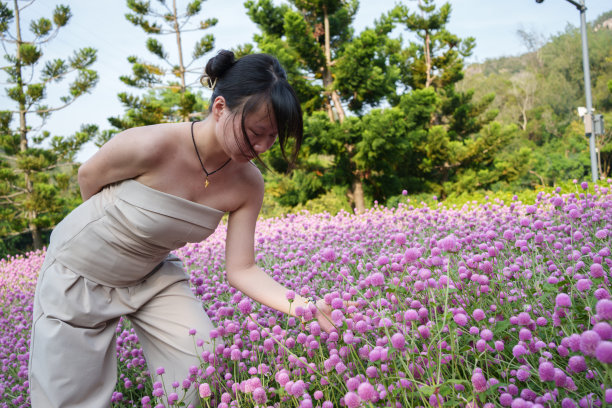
column 540, row 91
column 170, row 82
column 37, row 184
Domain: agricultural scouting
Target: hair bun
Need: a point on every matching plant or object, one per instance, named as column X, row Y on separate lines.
column 218, row 65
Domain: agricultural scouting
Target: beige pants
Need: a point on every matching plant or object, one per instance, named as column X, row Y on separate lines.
column 73, row 348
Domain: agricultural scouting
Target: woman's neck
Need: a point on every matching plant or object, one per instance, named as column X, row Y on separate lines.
column 209, row 146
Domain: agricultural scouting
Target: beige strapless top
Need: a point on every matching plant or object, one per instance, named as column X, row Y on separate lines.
column 123, row 232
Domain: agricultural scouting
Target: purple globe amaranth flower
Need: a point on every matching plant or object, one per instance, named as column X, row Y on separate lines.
column 603, row 352
column 479, row 382
column 577, row 364
column 601, row 293
column 518, row 351
column 436, row 400
column 505, row 399
column 366, row 391
column 601, row 234
column 568, row 403
column 398, row 341
column 597, row 270
column 546, row 371
column 245, row 306
column 478, row 314
column 204, row 390
column 449, row 243
column 486, row 335
column 411, row 255
column 588, row 342
column 377, row 279
column 608, row 396
column 522, row 374
column 352, row 400
column 328, row 254
column 604, row 330
column 563, row 300
column 560, row 377
column 604, row 309
column 523, row 318
column 525, row 334
column 460, row 319
column 583, row 285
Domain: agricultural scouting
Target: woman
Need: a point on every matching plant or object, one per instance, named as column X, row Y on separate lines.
column 146, row 192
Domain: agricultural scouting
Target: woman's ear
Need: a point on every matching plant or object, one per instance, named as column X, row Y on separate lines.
column 218, row 107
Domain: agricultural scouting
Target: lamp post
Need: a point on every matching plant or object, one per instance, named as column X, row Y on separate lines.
column 588, row 117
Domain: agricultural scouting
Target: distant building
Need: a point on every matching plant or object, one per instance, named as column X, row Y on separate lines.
column 606, row 25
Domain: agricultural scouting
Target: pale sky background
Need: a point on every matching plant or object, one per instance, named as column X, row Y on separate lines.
column 101, row 24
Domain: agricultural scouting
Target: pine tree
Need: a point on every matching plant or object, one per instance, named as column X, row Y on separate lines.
column 457, row 139
column 170, row 82
column 35, row 181
column 330, row 67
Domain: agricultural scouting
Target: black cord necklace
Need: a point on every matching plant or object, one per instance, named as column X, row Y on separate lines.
column 206, row 183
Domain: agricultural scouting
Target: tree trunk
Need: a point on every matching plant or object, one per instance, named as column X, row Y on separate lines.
column 429, row 79
column 327, row 76
column 23, row 131
column 179, row 45
column 358, row 195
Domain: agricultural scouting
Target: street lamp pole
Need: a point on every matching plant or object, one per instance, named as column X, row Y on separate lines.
column 588, row 118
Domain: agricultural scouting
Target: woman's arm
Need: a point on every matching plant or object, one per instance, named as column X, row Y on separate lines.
column 127, row 155
column 244, row 275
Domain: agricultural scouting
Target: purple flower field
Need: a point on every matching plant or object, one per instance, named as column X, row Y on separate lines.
column 487, row 305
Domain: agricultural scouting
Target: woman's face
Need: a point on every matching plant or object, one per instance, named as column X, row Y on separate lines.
column 260, row 127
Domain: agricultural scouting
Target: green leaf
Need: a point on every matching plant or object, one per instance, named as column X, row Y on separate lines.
column 156, row 48
column 194, row 7
column 42, row 27
column 54, row 70
column 204, row 46
column 29, row 54
column 61, row 15
column 6, row 16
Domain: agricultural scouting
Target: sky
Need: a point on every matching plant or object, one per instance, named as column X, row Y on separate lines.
column 102, row 25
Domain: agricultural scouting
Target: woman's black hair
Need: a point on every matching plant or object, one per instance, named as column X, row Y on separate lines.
column 250, row 82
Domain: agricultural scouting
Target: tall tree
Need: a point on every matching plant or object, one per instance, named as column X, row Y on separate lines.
column 170, row 82
column 35, row 180
column 330, row 66
column 433, row 64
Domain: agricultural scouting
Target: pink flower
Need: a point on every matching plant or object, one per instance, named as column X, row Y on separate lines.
column 588, row 342
column 479, row 382
column 460, row 319
column 478, row 314
column 563, row 300
column 449, row 243
column 604, row 309
column 577, row 364
column 328, row 254
column 352, row 400
column 366, row 391
column 411, row 255
column 398, row 340
column 204, row 390
column 245, row 306
column 597, row 270
column 603, row 352
column 547, row 371
column 259, row 395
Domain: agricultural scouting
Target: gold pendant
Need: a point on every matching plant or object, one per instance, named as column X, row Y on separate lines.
column 206, row 183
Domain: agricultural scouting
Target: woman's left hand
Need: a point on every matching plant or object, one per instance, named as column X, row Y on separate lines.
column 323, row 316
